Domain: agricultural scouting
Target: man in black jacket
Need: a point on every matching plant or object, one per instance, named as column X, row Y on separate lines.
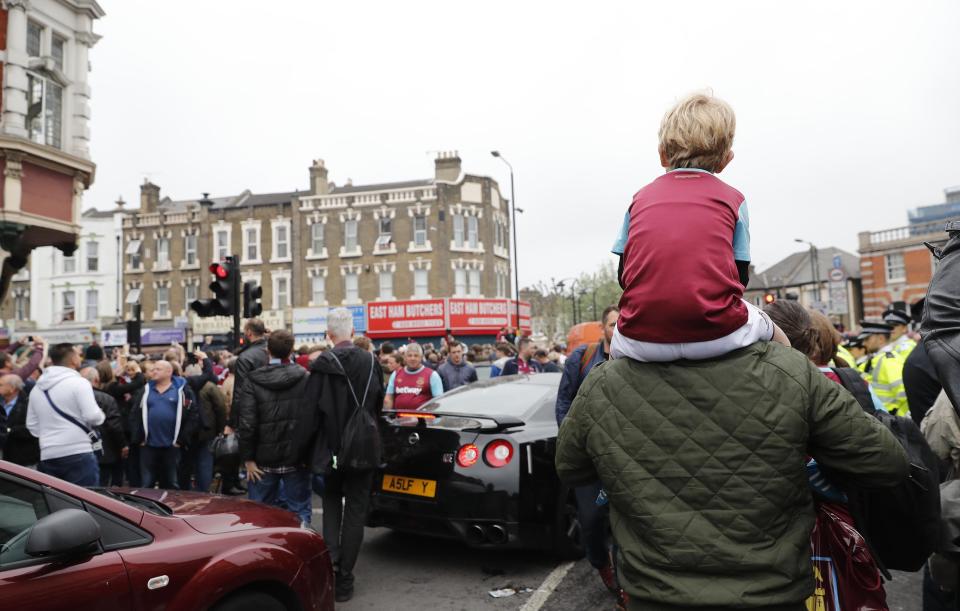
column 342, row 380
column 252, row 356
column 17, row 444
column 271, row 411
column 115, row 444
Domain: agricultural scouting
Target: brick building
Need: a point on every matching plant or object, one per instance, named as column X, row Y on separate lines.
column 45, row 164
column 895, row 265
column 329, row 245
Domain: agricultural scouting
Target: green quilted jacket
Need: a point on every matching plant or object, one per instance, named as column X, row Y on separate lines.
column 703, row 463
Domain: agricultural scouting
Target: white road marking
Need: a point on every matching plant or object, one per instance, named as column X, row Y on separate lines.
column 547, row 587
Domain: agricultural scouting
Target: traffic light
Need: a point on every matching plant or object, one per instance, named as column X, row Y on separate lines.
column 769, row 298
column 226, row 279
column 252, row 292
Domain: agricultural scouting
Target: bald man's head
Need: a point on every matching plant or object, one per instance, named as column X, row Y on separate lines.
column 90, row 374
column 10, row 386
column 162, row 372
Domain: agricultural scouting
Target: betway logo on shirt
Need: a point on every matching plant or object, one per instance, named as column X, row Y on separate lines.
column 408, row 390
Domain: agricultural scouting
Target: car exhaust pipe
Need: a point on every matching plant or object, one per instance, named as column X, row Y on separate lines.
column 497, row 533
column 476, row 534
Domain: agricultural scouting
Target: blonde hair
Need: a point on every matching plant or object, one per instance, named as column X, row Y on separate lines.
column 697, row 133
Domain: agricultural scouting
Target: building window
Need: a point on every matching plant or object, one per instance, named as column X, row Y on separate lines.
column 223, row 244
column 34, row 36
column 69, row 311
column 350, row 235
column 421, row 287
column 93, row 257
column 163, row 252
column 460, row 282
column 190, row 249
column 133, row 251
column 69, row 264
column 420, row 230
column 473, row 282
column 56, row 50
column 351, row 288
column 93, row 305
column 44, row 110
column 281, row 299
column 252, row 238
column 20, row 306
column 499, row 284
column 282, row 242
column 458, row 230
column 472, row 238
column 163, row 302
column 316, row 238
column 895, row 268
column 385, row 236
column 318, row 290
column 386, row 285
column 189, row 293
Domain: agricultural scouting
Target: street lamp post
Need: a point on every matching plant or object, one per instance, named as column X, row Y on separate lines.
column 814, row 265
column 513, row 225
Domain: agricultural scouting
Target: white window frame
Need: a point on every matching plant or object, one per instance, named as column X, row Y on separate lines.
column 355, row 277
column 72, row 260
column 473, row 232
column 190, row 253
column 93, row 254
column 318, row 297
column 413, row 212
column 276, row 276
column 385, row 282
column 221, row 249
column 275, row 227
column 245, row 228
column 91, row 297
column 348, row 235
column 458, row 231
column 45, row 128
column 424, row 243
column 418, row 275
column 68, row 313
column 134, row 254
column 473, row 283
column 460, row 282
column 21, row 305
column 163, row 305
column 313, row 252
column 162, row 261
column 190, row 287
column 891, row 268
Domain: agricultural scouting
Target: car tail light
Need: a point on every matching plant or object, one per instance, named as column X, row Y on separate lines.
column 467, row 455
column 498, row 453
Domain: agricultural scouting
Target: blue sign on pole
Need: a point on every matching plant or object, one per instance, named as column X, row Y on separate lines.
column 359, row 317
column 837, row 262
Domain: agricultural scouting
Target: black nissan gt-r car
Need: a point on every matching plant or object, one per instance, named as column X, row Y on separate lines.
column 476, row 464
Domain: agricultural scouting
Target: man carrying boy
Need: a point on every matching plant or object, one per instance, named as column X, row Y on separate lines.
column 685, row 248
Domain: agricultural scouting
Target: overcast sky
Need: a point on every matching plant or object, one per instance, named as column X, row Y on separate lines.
column 848, row 114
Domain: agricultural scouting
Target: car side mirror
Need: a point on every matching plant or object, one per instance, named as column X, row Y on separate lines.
column 62, row 532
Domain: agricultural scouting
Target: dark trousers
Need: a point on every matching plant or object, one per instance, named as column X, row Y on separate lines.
column 111, row 474
column 935, row 599
column 346, row 501
column 196, row 463
column 594, row 524
column 158, row 466
column 79, row 469
column 134, row 478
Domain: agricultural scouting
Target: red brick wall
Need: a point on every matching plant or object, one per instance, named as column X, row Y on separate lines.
column 877, row 294
column 47, row 193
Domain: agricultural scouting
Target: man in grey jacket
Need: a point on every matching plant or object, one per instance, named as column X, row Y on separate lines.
column 61, row 410
column 456, row 371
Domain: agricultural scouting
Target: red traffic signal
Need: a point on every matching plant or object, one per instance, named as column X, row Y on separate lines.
column 769, row 298
column 219, row 270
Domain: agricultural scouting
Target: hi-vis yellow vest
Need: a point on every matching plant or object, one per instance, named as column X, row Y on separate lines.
column 884, row 371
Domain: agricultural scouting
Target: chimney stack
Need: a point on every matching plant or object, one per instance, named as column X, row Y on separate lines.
column 447, row 166
column 149, row 197
column 318, row 178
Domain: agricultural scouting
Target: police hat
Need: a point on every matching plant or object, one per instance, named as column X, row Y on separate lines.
column 869, row 327
column 896, row 317
column 855, row 342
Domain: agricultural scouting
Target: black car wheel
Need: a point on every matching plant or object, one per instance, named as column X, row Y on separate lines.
column 567, row 544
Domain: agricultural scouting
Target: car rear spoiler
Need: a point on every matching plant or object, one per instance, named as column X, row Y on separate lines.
column 497, row 423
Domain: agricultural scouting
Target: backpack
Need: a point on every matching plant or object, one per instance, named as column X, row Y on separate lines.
column 902, row 523
column 360, row 439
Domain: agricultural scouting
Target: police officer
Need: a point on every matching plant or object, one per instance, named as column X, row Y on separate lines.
column 900, row 342
column 884, row 368
column 855, row 349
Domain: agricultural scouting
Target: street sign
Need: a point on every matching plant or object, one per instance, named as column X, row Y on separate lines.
column 838, row 292
column 836, row 275
column 837, row 262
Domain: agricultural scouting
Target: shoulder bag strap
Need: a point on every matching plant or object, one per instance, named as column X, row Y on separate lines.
column 366, row 390
column 64, row 415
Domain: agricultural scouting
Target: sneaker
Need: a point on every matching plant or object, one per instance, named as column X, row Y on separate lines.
column 609, row 578
column 342, row 593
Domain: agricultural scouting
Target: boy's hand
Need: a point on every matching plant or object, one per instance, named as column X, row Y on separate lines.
column 253, row 471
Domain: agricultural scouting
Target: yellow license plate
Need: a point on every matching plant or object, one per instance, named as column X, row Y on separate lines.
column 410, row 485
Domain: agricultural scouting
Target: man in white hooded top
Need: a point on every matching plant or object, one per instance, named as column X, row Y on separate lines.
column 60, row 411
